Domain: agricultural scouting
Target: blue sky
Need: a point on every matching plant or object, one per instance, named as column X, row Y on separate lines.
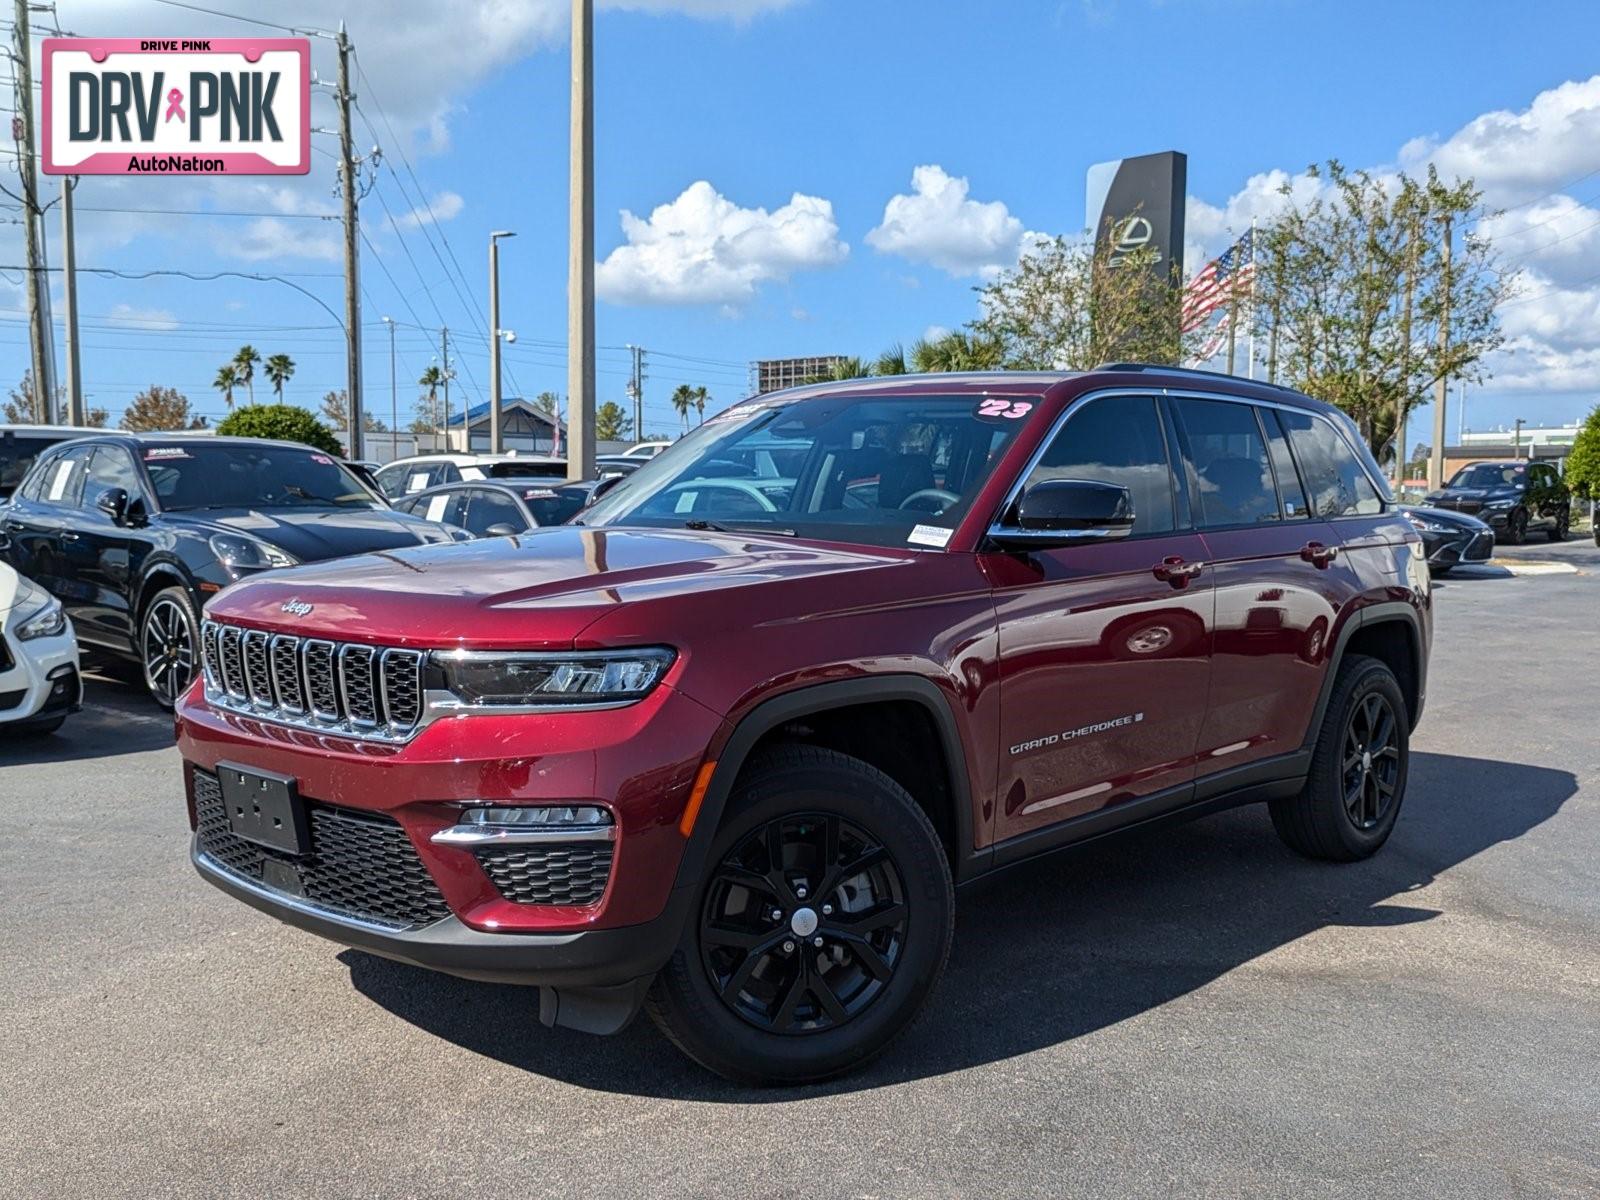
column 777, row 132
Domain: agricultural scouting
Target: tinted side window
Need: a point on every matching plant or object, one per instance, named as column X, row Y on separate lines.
column 1117, row 439
column 17, row 454
column 488, row 508
column 34, row 483
column 1338, row 485
column 1230, row 462
column 110, row 467
column 1290, row 494
column 449, row 507
column 62, row 481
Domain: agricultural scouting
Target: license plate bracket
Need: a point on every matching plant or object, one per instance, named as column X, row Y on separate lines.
column 264, row 807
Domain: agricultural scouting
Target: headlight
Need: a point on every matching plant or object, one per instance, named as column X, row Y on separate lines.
column 1427, row 526
column 1499, row 505
column 583, row 677
column 241, row 552
column 41, row 614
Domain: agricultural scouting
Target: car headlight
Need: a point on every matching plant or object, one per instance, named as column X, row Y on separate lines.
column 41, row 616
column 1499, row 505
column 1423, row 523
column 241, row 552
column 493, row 679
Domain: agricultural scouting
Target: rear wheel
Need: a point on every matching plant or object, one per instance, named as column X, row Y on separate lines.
column 1357, row 780
column 1517, row 528
column 1558, row 531
column 821, row 929
column 169, row 645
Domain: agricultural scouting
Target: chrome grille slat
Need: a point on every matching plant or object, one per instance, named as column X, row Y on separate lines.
column 347, row 688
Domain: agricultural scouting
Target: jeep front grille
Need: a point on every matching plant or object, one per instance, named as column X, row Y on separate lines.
column 341, row 687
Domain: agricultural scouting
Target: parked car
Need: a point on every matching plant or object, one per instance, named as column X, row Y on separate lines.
column 618, row 464
column 1514, row 498
column 1450, row 538
column 645, row 450
column 39, row 683
column 498, row 508
column 406, row 476
column 135, row 532
column 728, row 749
column 21, row 444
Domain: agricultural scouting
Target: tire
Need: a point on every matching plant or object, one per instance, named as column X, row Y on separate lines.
column 169, row 645
column 1322, row 821
column 1558, row 531
column 1440, row 572
column 1517, row 528
column 805, row 1014
column 39, row 729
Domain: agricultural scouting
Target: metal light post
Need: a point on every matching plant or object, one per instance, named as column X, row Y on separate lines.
column 496, row 441
column 394, row 398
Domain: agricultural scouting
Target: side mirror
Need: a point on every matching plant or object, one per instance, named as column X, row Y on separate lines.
column 604, row 486
column 1062, row 512
column 114, row 503
column 501, row 530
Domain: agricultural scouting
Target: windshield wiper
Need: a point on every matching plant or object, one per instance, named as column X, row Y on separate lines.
column 744, row 527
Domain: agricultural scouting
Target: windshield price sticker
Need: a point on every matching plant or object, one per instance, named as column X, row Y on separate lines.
column 999, row 406
column 157, row 453
column 930, row 535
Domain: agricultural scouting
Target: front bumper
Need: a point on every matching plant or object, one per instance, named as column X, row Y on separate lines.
column 42, row 682
column 1457, row 546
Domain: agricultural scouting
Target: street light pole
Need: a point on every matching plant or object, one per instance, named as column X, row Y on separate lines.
column 580, row 250
column 496, row 439
column 394, row 397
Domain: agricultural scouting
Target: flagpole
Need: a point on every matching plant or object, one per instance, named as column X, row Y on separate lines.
column 1250, row 351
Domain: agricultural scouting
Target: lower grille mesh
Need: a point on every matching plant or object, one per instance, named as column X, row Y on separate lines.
column 570, row 874
column 361, row 864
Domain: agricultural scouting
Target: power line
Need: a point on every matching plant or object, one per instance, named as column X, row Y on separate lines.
column 212, row 12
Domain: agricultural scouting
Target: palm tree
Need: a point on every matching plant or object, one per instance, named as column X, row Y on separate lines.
column 683, row 401
column 244, row 363
column 956, row 351
column 701, row 396
column 433, row 380
column 227, row 379
column 279, row 368
column 849, row 368
column 891, row 362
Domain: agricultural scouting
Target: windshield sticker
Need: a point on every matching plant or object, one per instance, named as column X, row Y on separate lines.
column 323, row 459
column 436, row 507
column 930, row 535
column 685, row 502
column 58, row 481
column 156, row 453
column 998, row 406
column 737, row 411
column 417, row 482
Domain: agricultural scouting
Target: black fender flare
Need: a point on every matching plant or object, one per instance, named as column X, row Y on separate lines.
column 1390, row 611
column 163, row 573
column 814, row 698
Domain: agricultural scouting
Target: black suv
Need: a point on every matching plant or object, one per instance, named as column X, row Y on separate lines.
column 135, row 532
column 1512, row 497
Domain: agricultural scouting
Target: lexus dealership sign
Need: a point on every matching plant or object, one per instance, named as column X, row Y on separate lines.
column 150, row 106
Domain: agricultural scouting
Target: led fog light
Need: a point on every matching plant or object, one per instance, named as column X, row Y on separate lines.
column 530, row 823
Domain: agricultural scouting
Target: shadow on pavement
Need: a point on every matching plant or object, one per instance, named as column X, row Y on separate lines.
column 1057, row 949
column 118, row 717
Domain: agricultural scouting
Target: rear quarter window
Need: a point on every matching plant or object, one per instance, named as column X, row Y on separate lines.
column 1337, row 483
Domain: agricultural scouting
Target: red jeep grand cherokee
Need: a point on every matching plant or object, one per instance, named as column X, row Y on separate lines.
column 722, row 747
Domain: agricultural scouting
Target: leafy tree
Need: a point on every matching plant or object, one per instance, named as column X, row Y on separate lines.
column 279, row 368
column 244, row 365
column 430, row 416
column 1354, row 287
column 1068, row 305
column 849, row 368
column 611, row 423
column 683, row 401
column 284, row 422
column 96, row 418
column 26, row 406
column 956, row 351
column 159, row 408
column 891, row 362
column 336, row 414
column 227, row 379
column 1583, row 464
column 548, row 402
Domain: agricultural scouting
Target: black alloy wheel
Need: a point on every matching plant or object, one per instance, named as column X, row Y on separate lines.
column 1516, row 528
column 804, row 923
column 1371, row 761
column 1563, row 522
column 168, row 646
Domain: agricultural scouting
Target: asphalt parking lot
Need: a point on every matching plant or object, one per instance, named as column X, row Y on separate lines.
column 1191, row 1011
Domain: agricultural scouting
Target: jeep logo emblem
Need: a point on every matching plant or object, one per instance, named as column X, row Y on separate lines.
column 297, row 607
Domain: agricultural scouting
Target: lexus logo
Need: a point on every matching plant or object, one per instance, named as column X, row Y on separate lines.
column 1135, row 232
column 297, row 607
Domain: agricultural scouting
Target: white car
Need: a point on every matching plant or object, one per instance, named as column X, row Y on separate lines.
column 39, row 683
column 645, row 449
column 407, row 476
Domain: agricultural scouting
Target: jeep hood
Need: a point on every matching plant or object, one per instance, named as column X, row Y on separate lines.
column 539, row 590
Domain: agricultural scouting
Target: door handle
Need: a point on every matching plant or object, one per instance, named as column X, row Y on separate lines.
column 1319, row 555
column 1175, row 571
column 15, row 525
column 68, row 536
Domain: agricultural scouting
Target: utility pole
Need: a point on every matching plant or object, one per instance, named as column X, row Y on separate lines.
column 444, row 361
column 580, row 247
column 1516, row 444
column 69, row 275
column 28, row 173
column 352, row 282
column 1405, row 356
column 636, row 391
column 1436, row 457
column 394, row 397
column 496, row 439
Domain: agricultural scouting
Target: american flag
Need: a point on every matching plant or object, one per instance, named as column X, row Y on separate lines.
column 1218, row 280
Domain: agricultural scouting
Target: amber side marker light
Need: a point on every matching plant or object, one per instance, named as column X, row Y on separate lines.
column 697, row 795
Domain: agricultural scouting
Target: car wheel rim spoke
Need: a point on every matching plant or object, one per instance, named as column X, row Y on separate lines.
column 1370, row 768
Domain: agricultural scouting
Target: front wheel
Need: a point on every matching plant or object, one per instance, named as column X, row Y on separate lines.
column 169, row 645
column 822, row 926
column 1516, row 528
column 1357, row 780
column 1558, row 531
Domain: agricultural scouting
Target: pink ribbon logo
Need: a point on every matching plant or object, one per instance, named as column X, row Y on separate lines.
column 175, row 106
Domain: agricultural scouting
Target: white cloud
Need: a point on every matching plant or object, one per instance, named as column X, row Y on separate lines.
column 268, row 238
column 702, row 248
column 445, row 206
column 940, row 224
column 150, row 319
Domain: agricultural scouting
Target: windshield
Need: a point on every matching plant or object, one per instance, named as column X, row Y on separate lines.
column 1487, row 475
column 886, row 471
column 200, row 475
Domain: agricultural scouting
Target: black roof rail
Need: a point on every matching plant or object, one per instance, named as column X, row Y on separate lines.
column 1198, row 371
